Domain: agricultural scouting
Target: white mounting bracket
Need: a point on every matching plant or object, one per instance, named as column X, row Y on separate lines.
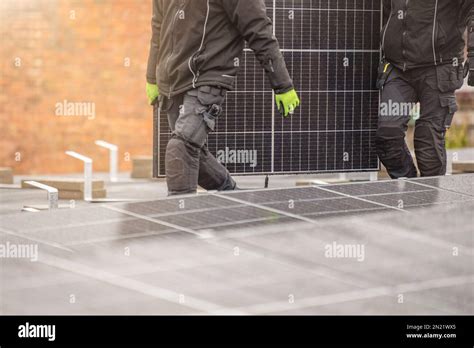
column 87, row 173
column 113, row 158
column 53, row 193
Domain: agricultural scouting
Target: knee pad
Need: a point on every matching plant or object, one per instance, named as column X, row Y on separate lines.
column 389, row 140
column 430, row 147
column 390, row 133
column 394, row 153
column 182, row 167
column 175, row 156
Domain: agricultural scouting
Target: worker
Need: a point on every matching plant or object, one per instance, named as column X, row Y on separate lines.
column 196, row 50
column 423, row 49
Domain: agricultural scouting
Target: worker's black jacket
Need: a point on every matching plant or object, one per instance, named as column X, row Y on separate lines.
column 201, row 42
column 421, row 33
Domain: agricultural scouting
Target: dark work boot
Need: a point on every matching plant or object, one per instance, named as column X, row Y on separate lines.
column 229, row 185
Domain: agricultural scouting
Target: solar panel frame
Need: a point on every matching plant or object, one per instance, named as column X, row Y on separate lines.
column 341, row 137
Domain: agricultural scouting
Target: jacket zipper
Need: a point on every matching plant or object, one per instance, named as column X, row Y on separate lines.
column 386, row 26
column 192, row 59
column 180, row 7
column 404, row 35
column 435, row 24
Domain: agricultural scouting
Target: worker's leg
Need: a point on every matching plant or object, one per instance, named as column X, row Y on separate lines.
column 212, row 174
column 187, row 159
column 171, row 107
column 394, row 115
column 182, row 159
column 438, row 105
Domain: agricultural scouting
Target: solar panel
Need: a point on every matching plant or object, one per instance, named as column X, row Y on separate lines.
column 305, row 201
column 331, row 49
column 457, row 183
column 405, row 194
column 212, row 213
column 377, row 188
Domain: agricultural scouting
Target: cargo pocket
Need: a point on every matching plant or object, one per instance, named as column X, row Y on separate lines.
column 210, row 104
column 190, row 125
column 450, row 78
column 449, row 103
column 210, row 119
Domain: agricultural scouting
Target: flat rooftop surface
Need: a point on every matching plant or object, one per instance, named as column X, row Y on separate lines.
column 387, row 247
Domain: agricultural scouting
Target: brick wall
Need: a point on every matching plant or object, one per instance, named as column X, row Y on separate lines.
column 91, row 51
column 74, row 50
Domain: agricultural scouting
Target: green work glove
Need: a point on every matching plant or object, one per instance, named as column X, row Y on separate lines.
column 152, row 93
column 287, row 102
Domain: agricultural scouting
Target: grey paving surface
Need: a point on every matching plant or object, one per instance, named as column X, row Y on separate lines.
column 408, row 250
column 13, row 200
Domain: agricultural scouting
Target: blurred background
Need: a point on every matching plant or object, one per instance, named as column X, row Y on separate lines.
column 78, row 51
column 93, row 52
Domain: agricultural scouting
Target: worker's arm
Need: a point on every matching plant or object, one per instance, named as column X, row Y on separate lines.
column 468, row 10
column 250, row 18
column 155, row 43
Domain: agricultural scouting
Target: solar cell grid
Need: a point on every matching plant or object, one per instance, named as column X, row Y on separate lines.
column 377, row 188
column 230, row 217
column 340, row 205
column 180, row 205
column 282, row 195
column 419, row 198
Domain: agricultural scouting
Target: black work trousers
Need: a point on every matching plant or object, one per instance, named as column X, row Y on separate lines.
column 434, row 89
column 191, row 117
